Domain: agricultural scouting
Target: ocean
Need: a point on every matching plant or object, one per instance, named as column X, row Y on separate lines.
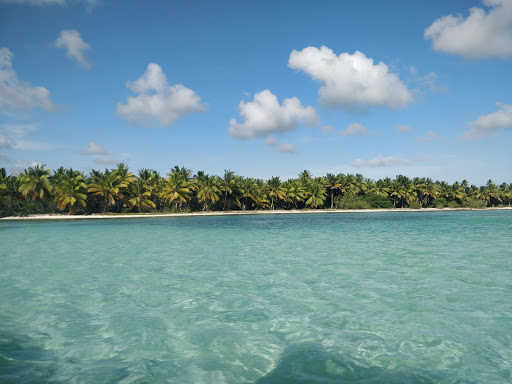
column 373, row 297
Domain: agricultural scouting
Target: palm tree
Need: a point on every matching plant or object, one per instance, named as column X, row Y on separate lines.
column 178, row 187
column 107, row 186
column 227, row 184
column 332, row 182
column 71, row 190
column 208, row 191
column 35, row 183
column 315, row 195
column 141, row 196
column 274, row 190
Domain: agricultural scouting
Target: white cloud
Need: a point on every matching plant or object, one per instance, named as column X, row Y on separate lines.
column 17, row 94
column 380, row 161
column 74, row 45
column 20, row 130
column 404, row 128
column 93, row 149
column 429, row 136
column 482, row 34
column 18, row 166
column 5, row 141
column 487, row 124
column 34, row 145
column 355, row 129
column 351, row 81
column 157, row 100
column 105, row 160
column 265, row 116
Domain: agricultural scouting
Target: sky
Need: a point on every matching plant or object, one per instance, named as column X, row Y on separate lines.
column 262, row 88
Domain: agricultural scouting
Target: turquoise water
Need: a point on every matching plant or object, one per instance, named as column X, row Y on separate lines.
column 420, row 297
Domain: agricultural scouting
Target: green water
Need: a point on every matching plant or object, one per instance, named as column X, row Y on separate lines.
column 315, row 298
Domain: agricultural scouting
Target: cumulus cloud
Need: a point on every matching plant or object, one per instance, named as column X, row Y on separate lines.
column 5, row 141
column 487, row 124
column 355, row 129
column 265, row 116
column 429, row 136
column 482, row 34
column 404, row 128
column 157, row 100
column 18, row 94
column 351, row 81
column 380, row 161
column 93, row 149
column 74, row 45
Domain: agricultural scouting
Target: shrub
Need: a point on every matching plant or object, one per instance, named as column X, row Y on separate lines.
column 439, row 203
column 453, row 204
column 414, row 205
column 475, row 203
column 351, row 202
column 377, row 201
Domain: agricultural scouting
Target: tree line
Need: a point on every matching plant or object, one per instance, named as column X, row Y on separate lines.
column 39, row 190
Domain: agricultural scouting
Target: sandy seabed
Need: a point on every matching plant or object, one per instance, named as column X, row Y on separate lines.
column 63, row 216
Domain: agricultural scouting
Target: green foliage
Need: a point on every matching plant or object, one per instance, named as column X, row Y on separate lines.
column 453, row 204
column 439, row 203
column 351, row 202
column 414, row 205
column 475, row 203
column 378, row 201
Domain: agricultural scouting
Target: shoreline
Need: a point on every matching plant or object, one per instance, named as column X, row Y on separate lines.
column 59, row 216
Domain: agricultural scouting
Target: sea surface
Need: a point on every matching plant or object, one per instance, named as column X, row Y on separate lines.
column 409, row 297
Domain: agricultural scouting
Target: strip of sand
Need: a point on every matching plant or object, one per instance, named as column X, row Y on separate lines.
column 228, row 213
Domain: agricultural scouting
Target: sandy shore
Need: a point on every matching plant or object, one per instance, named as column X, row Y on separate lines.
column 228, row 213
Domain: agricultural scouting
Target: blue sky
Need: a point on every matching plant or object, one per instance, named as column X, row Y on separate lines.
column 263, row 88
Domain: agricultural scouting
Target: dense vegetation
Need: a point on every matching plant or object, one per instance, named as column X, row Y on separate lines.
column 38, row 190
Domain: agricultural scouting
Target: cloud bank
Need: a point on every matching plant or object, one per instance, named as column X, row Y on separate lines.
column 157, row 100
column 482, row 34
column 351, row 81
column 18, row 94
column 265, row 116
column 74, row 45
column 487, row 124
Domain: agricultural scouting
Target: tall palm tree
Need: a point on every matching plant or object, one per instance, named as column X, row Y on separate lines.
column 315, row 195
column 71, row 190
column 332, row 182
column 208, row 191
column 227, row 184
column 141, row 196
column 35, row 183
column 107, row 186
column 274, row 190
column 178, row 187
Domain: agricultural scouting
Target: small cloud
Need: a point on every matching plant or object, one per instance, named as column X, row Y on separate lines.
column 351, row 81
column 355, row 129
column 157, row 100
column 487, row 124
column 18, row 166
column 404, row 128
column 265, row 116
column 105, row 160
column 482, row 34
column 328, row 129
column 74, row 45
column 93, row 149
column 380, row 161
column 271, row 142
column 6, row 142
column 429, row 136
column 34, row 145
column 286, row 148
column 20, row 130
column 18, row 94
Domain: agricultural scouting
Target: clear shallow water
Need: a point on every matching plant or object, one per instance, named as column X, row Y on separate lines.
column 315, row 298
